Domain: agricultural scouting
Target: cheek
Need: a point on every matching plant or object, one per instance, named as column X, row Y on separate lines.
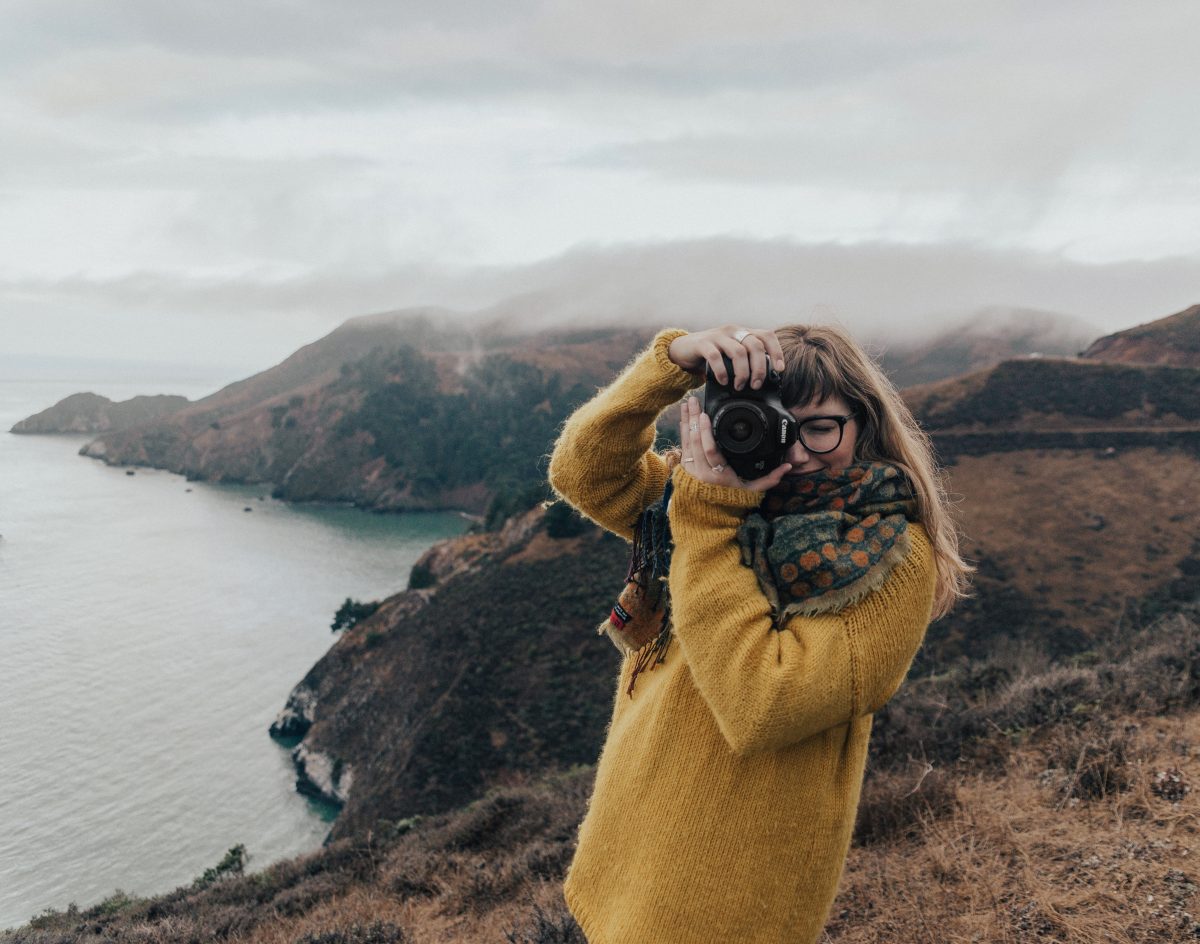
column 846, row 450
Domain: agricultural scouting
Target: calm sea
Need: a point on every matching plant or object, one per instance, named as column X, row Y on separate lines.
column 150, row 629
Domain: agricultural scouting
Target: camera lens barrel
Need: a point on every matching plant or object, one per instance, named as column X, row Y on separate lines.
column 740, row 427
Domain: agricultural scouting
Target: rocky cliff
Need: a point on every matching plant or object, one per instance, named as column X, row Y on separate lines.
column 490, row 675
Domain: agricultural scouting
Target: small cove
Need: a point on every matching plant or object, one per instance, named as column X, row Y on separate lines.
column 150, row 629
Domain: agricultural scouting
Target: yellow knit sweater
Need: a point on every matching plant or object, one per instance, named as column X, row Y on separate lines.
column 726, row 790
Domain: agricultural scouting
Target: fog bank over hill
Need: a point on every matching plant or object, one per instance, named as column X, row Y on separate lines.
column 884, row 292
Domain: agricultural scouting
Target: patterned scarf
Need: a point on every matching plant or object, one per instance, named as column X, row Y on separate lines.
column 817, row 543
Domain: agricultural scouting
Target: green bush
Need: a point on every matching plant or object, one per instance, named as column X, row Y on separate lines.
column 563, row 521
column 351, row 613
column 234, row 863
column 420, row 577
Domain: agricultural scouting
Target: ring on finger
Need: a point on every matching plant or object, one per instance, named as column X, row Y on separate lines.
column 740, row 336
column 689, row 459
column 718, row 468
column 693, row 426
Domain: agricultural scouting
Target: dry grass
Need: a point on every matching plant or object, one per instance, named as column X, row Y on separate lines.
column 1010, row 800
column 1021, row 857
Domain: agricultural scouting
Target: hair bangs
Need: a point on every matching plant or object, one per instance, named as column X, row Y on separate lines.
column 810, row 377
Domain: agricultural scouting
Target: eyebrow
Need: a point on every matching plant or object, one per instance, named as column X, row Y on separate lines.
column 820, row 416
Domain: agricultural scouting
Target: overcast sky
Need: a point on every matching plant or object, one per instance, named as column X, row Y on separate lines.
column 218, row 183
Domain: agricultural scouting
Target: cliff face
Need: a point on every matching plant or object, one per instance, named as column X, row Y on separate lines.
column 492, row 674
column 91, row 413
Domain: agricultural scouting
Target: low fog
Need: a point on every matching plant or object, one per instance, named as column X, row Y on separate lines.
column 218, row 184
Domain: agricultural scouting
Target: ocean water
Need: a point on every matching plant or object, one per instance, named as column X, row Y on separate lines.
column 150, row 629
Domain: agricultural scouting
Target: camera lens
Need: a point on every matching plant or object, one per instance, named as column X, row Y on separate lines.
column 739, row 427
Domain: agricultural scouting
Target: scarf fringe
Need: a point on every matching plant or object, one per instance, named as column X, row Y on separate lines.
column 859, row 590
column 654, row 653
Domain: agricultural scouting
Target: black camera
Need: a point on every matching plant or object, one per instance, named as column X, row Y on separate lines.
column 751, row 427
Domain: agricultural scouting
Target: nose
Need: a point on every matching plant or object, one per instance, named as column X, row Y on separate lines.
column 797, row 455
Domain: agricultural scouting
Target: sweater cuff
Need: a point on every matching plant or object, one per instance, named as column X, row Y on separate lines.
column 697, row 504
column 670, row 370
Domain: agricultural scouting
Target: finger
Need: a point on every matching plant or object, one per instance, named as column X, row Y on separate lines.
column 712, row 356
column 770, row 480
column 759, row 362
column 688, row 434
column 685, row 439
column 774, row 348
column 740, row 357
column 708, row 446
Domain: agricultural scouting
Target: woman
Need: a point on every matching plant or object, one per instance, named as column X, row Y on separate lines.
column 726, row 791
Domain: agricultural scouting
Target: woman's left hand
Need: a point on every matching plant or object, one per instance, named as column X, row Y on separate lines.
column 702, row 458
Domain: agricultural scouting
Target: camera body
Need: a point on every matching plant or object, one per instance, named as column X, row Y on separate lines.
column 751, row 427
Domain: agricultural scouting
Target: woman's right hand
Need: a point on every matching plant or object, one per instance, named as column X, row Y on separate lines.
column 750, row 349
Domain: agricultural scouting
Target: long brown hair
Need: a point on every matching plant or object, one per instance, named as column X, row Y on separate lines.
column 823, row 361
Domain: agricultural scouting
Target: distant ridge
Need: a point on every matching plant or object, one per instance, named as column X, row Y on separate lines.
column 987, row 337
column 92, row 413
column 1172, row 341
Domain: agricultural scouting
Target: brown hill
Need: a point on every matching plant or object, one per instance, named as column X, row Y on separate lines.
column 91, row 413
column 1069, row 475
column 1173, row 341
column 986, row 338
column 395, row 411
column 388, row 412
column 1070, row 539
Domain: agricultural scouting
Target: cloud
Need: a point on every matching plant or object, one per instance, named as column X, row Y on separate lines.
column 332, row 160
column 883, row 292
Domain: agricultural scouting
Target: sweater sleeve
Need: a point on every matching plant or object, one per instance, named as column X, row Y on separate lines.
column 767, row 688
column 603, row 463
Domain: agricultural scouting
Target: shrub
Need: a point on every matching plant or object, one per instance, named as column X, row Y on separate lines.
column 420, row 577
column 895, row 804
column 351, row 613
column 234, row 863
column 556, row 926
column 1093, row 761
column 378, row 932
column 563, row 521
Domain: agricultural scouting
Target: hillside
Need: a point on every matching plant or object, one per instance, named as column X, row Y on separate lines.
column 1068, row 474
column 1064, row 555
column 1058, row 527
column 91, row 413
column 1173, row 341
column 493, row 673
column 1004, row 801
column 1023, row 785
column 388, row 412
column 983, row 340
column 1051, row 395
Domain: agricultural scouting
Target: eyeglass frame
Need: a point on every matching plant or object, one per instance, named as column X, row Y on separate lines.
column 840, row 420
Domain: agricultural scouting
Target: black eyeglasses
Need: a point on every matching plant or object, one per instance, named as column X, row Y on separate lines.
column 822, row 434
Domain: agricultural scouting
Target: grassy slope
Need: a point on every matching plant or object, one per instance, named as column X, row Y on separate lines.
column 1172, row 340
column 1005, row 801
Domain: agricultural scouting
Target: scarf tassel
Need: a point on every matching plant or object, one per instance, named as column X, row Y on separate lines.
column 654, row 653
